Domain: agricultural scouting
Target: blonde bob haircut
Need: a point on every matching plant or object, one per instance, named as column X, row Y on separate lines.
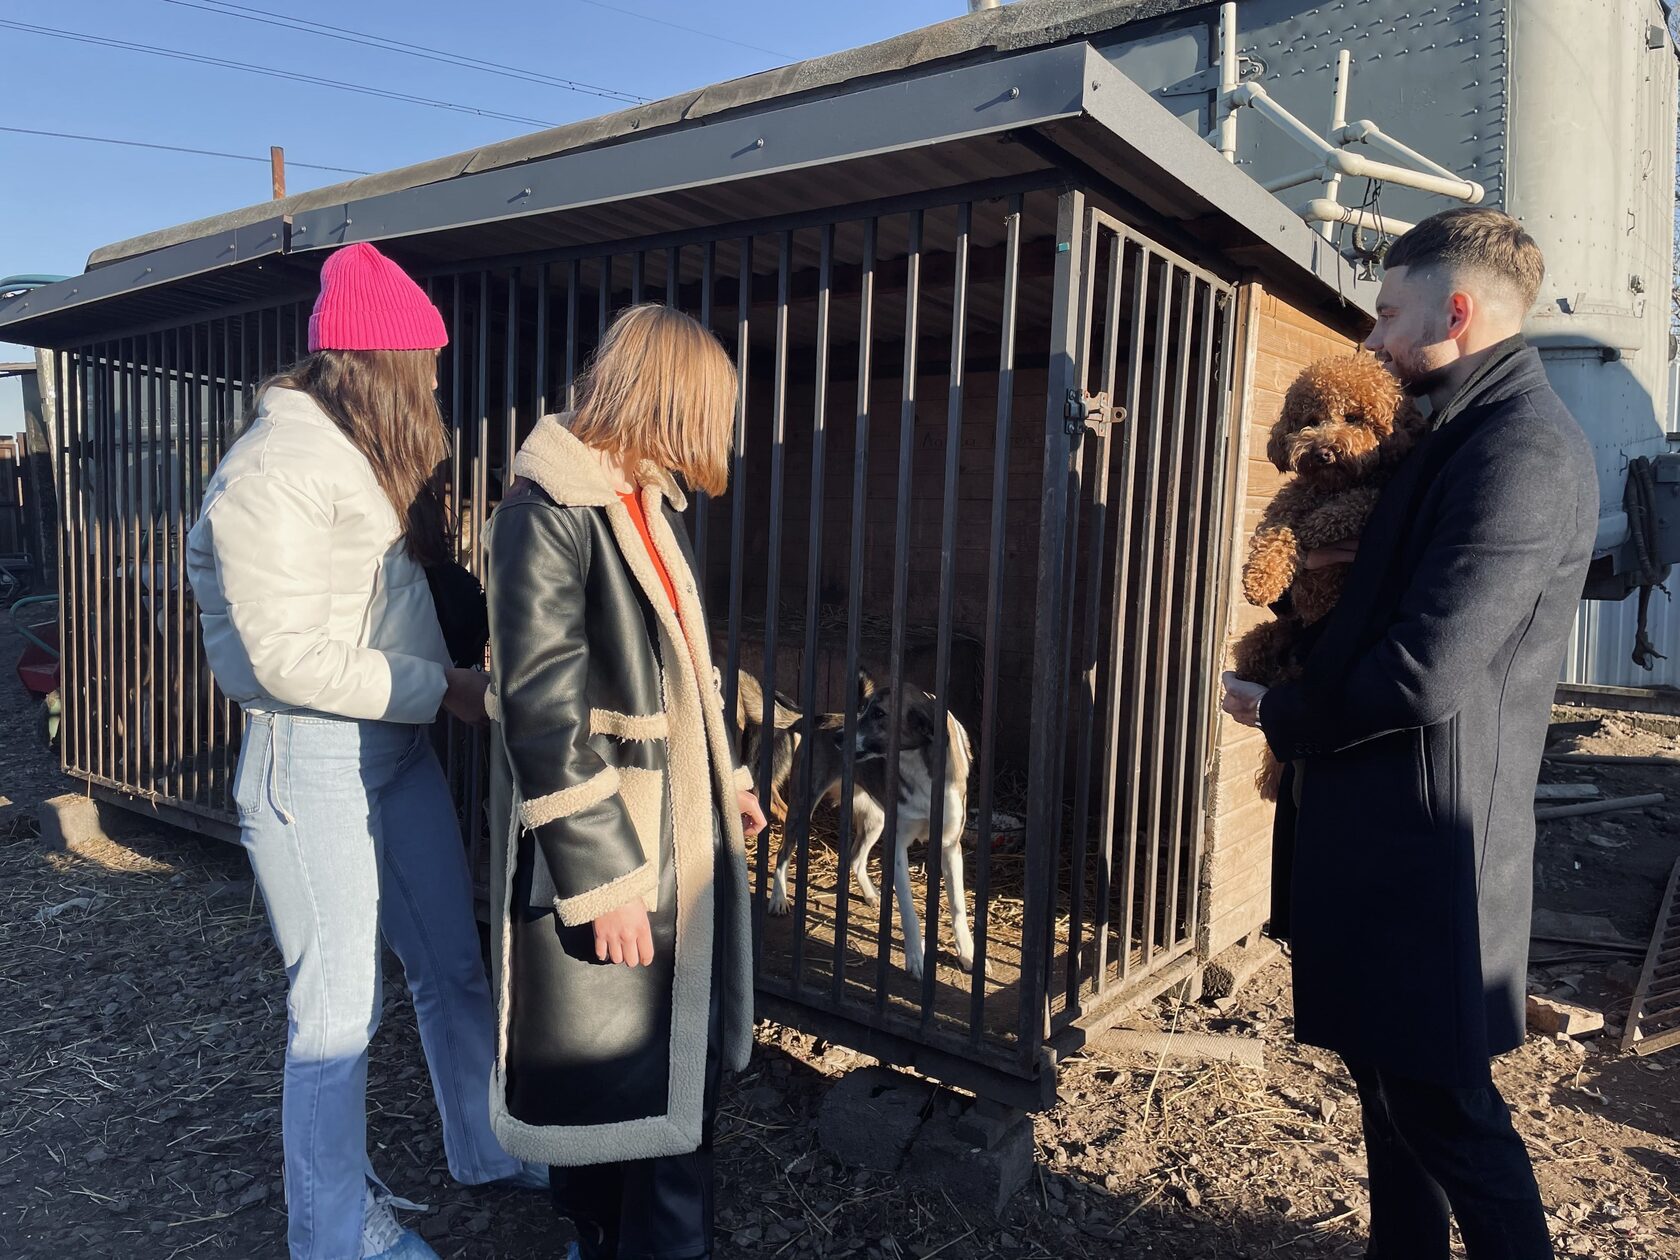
column 661, row 389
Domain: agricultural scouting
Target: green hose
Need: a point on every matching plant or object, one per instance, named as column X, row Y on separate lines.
column 24, row 630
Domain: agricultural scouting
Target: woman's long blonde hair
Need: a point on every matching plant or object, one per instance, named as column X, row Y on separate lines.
column 661, row 389
column 385, row 403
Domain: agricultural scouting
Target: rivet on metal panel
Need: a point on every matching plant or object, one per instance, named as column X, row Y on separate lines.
column 300, row 231
column 1014, row 93
column 759, row 143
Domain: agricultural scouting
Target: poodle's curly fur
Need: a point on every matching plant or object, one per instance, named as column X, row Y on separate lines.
column 1345, row 425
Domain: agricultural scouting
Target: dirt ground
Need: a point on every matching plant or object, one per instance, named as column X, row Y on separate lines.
column 142, row 1016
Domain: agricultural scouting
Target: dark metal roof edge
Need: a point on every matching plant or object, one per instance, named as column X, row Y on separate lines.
column 1027, row 90
column 161, row 267
column 989, row 33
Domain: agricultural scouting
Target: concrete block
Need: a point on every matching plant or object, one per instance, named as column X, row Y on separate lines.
column 985, row 1123
column 1226, row 974
column 71, row 823
column 1550, row 1016
column 870, row 1118
column 980, row 1177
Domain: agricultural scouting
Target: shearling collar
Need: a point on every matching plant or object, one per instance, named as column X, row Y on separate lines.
column 571, row 475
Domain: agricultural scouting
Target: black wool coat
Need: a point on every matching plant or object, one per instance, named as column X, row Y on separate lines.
column 1405, row 836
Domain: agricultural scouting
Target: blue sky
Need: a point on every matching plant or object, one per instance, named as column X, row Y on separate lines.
column 60, row 199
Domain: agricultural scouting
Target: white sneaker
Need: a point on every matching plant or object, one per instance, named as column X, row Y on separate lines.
column 380, row 1231
column 384, row 1239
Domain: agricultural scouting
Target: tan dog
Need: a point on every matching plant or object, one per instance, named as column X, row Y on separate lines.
column 1345, row 426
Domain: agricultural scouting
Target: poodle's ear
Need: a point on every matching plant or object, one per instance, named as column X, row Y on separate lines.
column 1410, row 424
column 1297, row 413
column 1373, row 393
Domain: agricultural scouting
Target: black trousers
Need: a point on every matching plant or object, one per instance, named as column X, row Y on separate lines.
column 1437, row 1152
column 652, row 1209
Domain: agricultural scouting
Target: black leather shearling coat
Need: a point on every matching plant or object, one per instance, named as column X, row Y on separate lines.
column 611, row 779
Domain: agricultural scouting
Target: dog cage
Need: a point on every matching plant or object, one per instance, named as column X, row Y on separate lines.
column 992, row 317
column 991, row 429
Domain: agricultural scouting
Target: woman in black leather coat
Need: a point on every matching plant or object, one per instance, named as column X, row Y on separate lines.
column 622, row 946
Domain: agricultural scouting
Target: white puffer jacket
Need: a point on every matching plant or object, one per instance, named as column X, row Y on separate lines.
column 306, row 592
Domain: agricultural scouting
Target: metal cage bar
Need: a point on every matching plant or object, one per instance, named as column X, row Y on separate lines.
column 1077, row 601
column 900, row 598
column 799, row 818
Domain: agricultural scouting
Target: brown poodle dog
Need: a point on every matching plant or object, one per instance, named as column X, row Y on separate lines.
column 1344, row 427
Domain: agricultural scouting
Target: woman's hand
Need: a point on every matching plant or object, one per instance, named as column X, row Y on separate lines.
column 752, row 815
column 624, row 937
column 464, row 695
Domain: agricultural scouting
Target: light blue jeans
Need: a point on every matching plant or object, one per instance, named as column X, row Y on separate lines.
column 353, row 835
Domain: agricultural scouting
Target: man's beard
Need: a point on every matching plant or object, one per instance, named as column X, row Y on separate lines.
column 1414, row 381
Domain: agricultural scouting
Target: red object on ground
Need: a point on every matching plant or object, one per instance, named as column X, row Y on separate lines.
column 38, row 669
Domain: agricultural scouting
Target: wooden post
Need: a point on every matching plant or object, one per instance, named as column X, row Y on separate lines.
column 277, row 168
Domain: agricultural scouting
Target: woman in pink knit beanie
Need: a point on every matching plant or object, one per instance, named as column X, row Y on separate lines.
column 310, row 566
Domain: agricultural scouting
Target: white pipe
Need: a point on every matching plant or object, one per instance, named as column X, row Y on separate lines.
column 1228, row 81
column 1305, row 176
column 1323, row 210
column 1338, row 120
column 1256, row 97
column 1367, row 132
column 1364, row 168
column 974, row 6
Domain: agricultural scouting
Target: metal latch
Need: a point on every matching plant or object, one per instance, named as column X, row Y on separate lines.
column 1085, row 412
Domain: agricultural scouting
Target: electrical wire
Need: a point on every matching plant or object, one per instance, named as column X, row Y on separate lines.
column 369, row 40
column 270, row 72
column 692, row 30
column 176, row 148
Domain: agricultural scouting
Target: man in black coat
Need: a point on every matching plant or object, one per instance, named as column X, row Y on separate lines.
column 1413, row 744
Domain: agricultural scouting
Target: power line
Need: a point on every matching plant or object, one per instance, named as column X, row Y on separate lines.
column 175, row 148
column 369, row 40
column 247, row 68
column 692, row 30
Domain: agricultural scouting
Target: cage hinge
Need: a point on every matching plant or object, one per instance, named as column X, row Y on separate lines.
column 1085, row 412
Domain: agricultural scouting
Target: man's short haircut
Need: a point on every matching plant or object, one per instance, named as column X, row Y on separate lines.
column 1489, row 242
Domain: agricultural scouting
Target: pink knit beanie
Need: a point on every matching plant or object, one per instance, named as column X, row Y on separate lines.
column 367, row 302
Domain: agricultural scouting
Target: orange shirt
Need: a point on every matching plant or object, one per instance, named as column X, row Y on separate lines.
column 634, row 505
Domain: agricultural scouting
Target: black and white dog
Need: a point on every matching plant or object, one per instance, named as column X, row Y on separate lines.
column 783, row 737
column 915, row 787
